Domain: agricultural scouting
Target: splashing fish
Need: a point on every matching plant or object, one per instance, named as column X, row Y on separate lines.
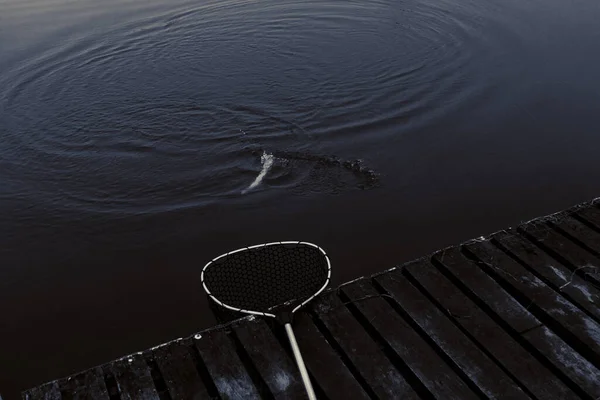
column 267, row 162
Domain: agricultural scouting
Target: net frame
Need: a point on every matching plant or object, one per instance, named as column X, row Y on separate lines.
column 263, row 313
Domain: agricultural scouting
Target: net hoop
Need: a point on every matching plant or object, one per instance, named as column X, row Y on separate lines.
column 265, row 314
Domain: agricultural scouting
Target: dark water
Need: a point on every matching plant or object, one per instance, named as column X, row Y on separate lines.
column 130, row 132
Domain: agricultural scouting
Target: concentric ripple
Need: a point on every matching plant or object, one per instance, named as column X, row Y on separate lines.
column 173, row 108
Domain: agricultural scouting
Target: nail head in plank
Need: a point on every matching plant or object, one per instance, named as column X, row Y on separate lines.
column 530, row 372
column 581, row 292
column 366, row 355
column 134, row 378
column 480, row 369
column 327, row 367
column 271, row 360
column 415, row 352
column 178, row 369
column 225, row 366
column 48, row 391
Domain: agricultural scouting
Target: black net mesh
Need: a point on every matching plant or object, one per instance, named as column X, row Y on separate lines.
column 261, row 278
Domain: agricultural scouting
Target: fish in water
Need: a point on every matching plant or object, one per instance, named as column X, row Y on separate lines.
column 365, row 178
column 267, row 162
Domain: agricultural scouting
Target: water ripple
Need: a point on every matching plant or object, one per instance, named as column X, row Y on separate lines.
column 166, row 110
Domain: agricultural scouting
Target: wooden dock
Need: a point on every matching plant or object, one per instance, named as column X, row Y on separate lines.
column 515, row 315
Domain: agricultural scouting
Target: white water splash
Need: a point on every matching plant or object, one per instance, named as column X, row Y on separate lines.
column 267, row 162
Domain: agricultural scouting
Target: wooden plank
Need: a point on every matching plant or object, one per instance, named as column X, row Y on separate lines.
column 579, row 259
column 587, row 238
column 579, row 231
column 548, row 344
column 366, row 355
column 178, row 369
column 591, row 214
column 85, row 385
column 481, row 369
column 324, row 364
column 531, row 373
column 555, row 273
column 418, row 355
column 48, row 391
column 134, row 378
column 274, row 365
column 575, row 324
column 225, row 366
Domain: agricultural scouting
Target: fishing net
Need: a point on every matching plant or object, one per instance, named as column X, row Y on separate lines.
column 266, row 278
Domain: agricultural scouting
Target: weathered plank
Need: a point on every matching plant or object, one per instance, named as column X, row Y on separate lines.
column 224, row 366
column 574, row 324
column 481, row 369
column 585, row 236
column 85, row 385
column 375, row 368
column 325, row 365
column 573, row 365
column 579, row 259
column 530, row 372
column 274, row 365
column 591, row 215
column 134, row 378
column 580, row 232
column 580, row 292
column 48, row 391
column 179, row 372
column 433, row 372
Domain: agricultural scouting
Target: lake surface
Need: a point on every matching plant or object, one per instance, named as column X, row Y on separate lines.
column 139, row 139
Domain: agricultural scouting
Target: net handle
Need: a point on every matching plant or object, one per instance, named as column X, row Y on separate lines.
column 251, row 312
column 300, row 362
